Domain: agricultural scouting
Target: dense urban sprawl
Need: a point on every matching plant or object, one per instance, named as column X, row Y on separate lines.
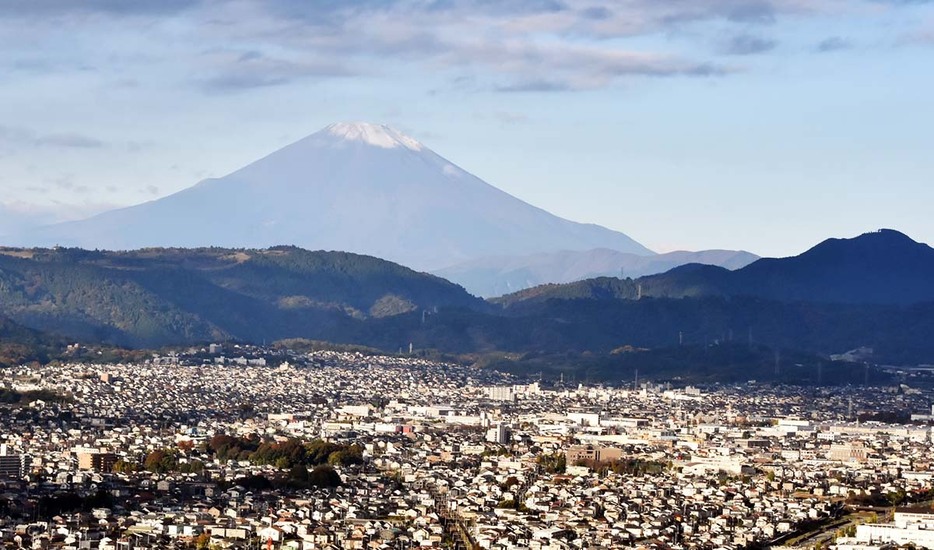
column 251, row 448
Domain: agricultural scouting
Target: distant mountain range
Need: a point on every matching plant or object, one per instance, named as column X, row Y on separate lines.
column 884, row 267
column 500, row 275
column 354, row 187
column 372, row 190
column 875, row 291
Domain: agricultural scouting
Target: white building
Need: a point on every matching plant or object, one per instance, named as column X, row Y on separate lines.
column 500, row 434
column 907, row 527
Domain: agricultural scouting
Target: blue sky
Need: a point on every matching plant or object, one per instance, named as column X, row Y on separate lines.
column 765, row 125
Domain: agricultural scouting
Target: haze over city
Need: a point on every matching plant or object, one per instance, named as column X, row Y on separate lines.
column 765, row 126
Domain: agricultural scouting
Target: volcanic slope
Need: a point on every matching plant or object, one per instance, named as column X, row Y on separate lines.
column 353, row 187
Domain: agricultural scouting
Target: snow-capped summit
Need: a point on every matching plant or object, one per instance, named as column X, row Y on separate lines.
column 372, row 134
column 355, row 187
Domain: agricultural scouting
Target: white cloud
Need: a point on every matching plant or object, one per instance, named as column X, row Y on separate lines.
column 509, row 44
column 13, row 137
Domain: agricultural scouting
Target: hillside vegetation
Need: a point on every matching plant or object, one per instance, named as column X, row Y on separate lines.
column 155, row 297
column 807, row 304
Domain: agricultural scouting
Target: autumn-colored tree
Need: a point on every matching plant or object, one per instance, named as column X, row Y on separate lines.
column 124, row 467
column 161, row 461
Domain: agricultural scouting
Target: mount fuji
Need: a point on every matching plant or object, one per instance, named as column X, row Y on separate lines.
column 355, row 187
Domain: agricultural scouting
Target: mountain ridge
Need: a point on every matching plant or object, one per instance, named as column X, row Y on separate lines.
column 882, row 267
column 351, row 187
column 157, row 297
column 161, row 296
column 497, row 276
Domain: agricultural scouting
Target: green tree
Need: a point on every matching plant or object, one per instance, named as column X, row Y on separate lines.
column 553, row 463
column 161, row 461
column 324, row 476
column 299, row 474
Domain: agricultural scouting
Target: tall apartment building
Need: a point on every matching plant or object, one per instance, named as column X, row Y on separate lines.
column 95, row 460
column 499, row 434
column 12, row 466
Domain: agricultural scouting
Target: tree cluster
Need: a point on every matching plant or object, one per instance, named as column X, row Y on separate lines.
column 626, row 466
column 553, row 463
column 166, row 460
column 283, row 454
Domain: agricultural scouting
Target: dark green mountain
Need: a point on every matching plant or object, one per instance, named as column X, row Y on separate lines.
column 11, row 331
column 875, row 290
column 154, row 297
column 898, row 334
column 19, row 344
column 169, row 296
column 885, row 268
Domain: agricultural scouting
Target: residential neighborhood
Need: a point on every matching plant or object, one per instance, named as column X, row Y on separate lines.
column 230, row 447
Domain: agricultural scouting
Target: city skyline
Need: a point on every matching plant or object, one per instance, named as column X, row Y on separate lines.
column 765, row 126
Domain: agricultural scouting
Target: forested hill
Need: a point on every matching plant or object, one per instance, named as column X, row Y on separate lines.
column 19, row 344
column 883, row 267
column 153, row 297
